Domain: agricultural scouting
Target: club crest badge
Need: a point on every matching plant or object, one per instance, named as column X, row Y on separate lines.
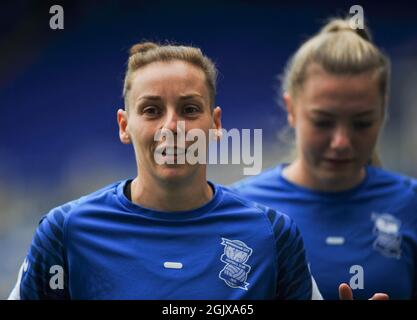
column 388, row 237
column 235, row 272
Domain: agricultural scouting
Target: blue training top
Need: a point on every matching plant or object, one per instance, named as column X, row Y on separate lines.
column 103, row 246
column 366, row 236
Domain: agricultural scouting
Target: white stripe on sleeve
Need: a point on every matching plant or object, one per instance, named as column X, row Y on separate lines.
column 15, row 294
column 315, row 292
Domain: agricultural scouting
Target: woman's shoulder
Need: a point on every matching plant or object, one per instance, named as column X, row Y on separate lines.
column 98, row 198
column 396, row 190
column 239, row 200
column 268, row 177
column 384, row 178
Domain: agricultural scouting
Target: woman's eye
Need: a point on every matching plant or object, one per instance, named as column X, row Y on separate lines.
column 191, row 109
column 151, row 111
column 362, row 124
column 323, row 124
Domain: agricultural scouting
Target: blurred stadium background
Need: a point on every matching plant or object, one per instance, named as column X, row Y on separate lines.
column 60, row 89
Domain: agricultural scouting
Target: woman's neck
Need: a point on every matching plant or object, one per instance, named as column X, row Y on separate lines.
column 298, row 173
column 162, row 196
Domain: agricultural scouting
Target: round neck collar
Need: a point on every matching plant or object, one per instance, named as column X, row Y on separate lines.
column 324, row 194
column 170, row 215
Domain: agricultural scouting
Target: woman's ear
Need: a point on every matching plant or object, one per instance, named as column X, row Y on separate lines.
column 217, row 121
column 289, row 105
column 122, row 120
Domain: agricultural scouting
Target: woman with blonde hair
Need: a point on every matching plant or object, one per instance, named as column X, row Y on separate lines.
column 358, row 221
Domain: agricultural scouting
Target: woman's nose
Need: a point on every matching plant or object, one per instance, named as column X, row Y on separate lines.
column 171, row 122
column 341, row 139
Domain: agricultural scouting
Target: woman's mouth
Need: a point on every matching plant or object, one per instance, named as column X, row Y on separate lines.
column 170, row 155
column 338, row 162
column 173, row 151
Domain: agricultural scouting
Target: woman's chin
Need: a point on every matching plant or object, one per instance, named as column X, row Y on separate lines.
column 174, row 173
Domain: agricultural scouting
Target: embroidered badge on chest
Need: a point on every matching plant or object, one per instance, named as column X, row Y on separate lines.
column 388, row 237
column 235, row 272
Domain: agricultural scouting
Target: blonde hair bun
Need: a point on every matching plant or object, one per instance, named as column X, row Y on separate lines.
column 340, row 25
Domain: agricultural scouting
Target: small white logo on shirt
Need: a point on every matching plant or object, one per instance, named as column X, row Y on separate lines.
column 335, row 241
column 388, row 237
column 173, row 265
column 235, row 272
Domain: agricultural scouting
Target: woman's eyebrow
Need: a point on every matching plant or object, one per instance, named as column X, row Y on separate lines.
column 322, row 112
column 364, row 113
column 330, row 114
column 191, row 96
column 148, row 97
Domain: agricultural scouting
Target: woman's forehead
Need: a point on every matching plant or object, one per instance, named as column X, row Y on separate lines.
column 176, row 75
column 359, row 90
